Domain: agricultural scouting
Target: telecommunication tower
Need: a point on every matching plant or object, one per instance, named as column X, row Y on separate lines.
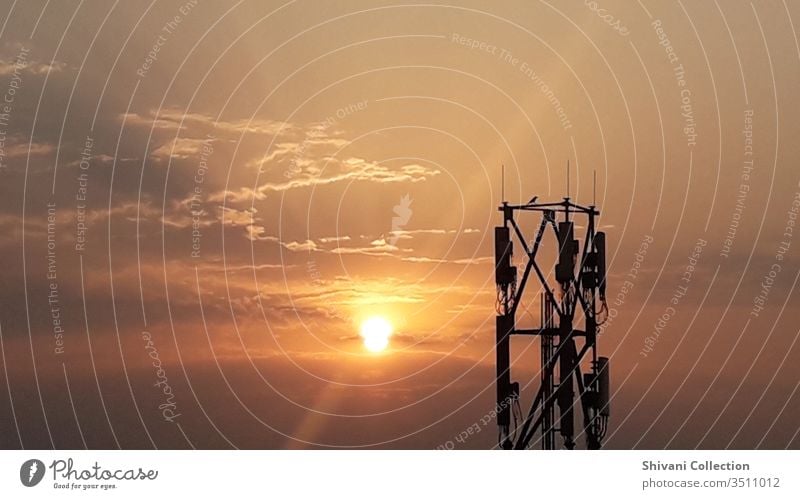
column 576, row 300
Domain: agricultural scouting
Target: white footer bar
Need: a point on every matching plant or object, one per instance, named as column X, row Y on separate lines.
column 400, row 474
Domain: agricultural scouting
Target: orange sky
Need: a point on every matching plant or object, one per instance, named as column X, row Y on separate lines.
column 247, row 181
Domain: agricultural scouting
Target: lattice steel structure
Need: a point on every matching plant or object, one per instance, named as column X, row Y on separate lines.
column 577, row 300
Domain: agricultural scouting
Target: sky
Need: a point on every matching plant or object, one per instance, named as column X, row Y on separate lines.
column 202, row 201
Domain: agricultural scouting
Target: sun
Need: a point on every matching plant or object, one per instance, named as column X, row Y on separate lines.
column 375, row 331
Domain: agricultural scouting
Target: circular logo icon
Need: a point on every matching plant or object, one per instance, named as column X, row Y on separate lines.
column 31, row 472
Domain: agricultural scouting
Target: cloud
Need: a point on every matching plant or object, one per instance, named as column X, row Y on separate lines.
column 351, row 169
column 234, row 217
column 182, row 148
column 239, row 195
column 175, row 119
column 306, row 245
column 458, row 261
column 377, row 247
column 35, row 68
column 365, row 299
column 258, row 233
column 299, row 154
column 99, row 159
column 17, row 146
column 280, row 151
column 359, row 293
column 409, row 234
column 135, row 119
column 336, row 239
column 238, row 126
column 310, row 174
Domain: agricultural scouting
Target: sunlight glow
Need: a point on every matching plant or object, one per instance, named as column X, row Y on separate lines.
column 375, row 332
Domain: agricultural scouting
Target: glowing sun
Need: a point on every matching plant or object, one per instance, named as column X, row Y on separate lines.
column 375, row 332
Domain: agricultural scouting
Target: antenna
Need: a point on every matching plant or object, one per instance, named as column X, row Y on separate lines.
column 567, row 178
column 503, row 181
column 594, row 187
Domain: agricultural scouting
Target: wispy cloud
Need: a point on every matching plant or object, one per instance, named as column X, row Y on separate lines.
column 315, row 173
column 457, row 261
column 333, row 170
column 17, row 146
column 34, row 67
column 234, row 217
column 409, row 234
column 377, row 247
column 179, row 147
column 175, row 119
